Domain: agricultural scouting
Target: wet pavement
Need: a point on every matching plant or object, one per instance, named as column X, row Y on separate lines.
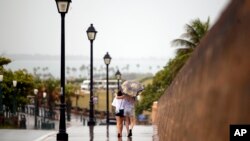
column 22, row 135
column 78, row 132
column 103, row 133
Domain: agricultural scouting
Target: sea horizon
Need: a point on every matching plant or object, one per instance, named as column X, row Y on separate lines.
column 51, row 64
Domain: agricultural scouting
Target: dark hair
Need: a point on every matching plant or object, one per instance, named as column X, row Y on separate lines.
column 119, row 93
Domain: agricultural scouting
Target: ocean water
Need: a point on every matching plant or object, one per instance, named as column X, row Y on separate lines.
column 145, row 65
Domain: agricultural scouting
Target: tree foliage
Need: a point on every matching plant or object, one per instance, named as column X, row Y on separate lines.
column 192, row 36
column 26, row 83
column 4, row 61
column 19, row 93
column 162, row 80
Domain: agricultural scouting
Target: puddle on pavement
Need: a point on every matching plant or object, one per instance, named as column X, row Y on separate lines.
column 91, row 134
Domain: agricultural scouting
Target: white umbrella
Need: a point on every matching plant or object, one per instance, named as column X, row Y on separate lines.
column 132, row 88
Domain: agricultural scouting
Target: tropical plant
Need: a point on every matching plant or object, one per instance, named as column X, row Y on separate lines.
column 4, row 61
column 19, row 93
column 195, row 31
column 70, row 90
column 53, row 91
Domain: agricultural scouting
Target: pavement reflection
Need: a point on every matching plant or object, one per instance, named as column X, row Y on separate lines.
column 107, row 133
column 78, row 132
column 108, row 137
column 155, row 133
column 91, row 133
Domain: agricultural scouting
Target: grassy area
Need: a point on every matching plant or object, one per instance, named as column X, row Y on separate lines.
column 100, row 105
column 146, row 81
column 100, row 94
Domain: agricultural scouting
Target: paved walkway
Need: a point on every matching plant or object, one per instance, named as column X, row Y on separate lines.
column 21, row 134
column 78, row 132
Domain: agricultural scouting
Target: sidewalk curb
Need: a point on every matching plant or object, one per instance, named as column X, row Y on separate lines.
column 42, row 138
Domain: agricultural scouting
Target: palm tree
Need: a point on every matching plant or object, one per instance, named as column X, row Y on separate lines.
column 192, row 37
column 163, row 79
column 51, row 86
column 150, row 68
column 82, row 69
column 4, row 61
column 112, row 70
column 127, row 67
column 68, row 70
column 74, row 70
column 138, row 66
column 158, row 67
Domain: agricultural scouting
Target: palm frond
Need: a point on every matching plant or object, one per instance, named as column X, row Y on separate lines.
column 191, row 34
column 183, row 42
column 191, row 38
column 183, row 51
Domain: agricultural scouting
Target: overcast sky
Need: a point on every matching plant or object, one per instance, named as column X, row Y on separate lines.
column 126, row 28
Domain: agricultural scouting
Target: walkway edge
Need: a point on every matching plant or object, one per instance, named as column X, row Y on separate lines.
column 45, row 136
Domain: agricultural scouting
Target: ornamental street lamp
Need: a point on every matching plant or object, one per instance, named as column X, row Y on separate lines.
column 36, row 107
column 91, row 32
column 63, row 7
column 1, row 96
column 118, row 77
column 107, row 60
column 14, row 101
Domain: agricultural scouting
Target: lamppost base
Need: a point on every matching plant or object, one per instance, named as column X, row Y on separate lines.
column 62, row 137
column 91, row 123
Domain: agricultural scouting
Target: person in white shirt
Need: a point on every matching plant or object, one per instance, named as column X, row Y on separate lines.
column 119, row 110
column 129, row 112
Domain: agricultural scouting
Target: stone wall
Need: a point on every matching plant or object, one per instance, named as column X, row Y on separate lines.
column 212, row 90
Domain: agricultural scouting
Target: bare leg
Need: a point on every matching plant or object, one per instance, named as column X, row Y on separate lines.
column 118, row 124
column 127, row 122
column 121, row 125
column 131, row 125
column 132, row 122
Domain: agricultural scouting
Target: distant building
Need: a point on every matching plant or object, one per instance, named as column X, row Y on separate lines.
column 99, row 84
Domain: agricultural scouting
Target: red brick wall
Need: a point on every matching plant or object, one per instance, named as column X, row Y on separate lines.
column 212, row 90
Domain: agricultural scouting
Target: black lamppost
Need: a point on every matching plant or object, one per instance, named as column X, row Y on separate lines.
column 36, row 107
column 62, row 6
column 44, row 106
column 77, row 93
column 107, row 60
column 91, row 32
column 1, row 96
column 14, row 101
column 118, row 77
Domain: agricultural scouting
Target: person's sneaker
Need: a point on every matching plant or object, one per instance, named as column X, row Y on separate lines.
column 130, row 133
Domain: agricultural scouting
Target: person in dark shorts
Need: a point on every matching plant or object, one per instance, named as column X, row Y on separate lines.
column 119, row 110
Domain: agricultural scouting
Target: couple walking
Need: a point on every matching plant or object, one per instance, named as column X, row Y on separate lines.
column 124, row 107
